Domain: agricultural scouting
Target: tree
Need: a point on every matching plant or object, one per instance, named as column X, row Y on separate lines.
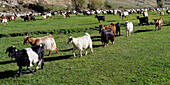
column 95, row 4
column 160, row 3
column 107, row 4
column 78, row 4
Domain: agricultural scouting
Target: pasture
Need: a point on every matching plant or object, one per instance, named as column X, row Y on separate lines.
column 142, row 58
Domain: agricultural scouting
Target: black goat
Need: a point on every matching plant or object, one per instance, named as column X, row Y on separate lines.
column 107, row 35
column 143, row 20
column 117, row 28
column 100, row 18
column 26, row 18
column 27, row 56
column 32, row 17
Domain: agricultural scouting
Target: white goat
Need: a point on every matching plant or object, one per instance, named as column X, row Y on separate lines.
column 81, row 43
column 129, row 27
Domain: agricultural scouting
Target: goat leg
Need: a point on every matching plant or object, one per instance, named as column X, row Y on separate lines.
column 80, row 53
column 74, row 53
column 155, row 28
column 28, row 68
column 38, row 65
column 91, row 50
column 42, row 64
column 86, row 52
column 56, row 50
column 49, row 53
column 20, row 69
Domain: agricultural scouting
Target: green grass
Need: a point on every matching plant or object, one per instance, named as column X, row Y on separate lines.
column 142, row 58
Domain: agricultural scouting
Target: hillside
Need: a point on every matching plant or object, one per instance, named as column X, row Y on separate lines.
column 65, row 4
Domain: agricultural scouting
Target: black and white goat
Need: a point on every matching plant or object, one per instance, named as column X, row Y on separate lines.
column 27, row 57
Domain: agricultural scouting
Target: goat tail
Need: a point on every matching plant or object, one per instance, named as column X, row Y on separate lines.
column 87, row 34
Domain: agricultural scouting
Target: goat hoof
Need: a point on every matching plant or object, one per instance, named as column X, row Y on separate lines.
column 19, row 76
column 35, row 70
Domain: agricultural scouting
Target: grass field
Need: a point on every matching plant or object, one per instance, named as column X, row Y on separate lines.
column 142, row 58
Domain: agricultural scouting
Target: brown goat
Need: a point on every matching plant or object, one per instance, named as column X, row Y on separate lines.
column 158, row 23
column 67, row 15
column 112, row 26
column 77, row 14
column 48, row 41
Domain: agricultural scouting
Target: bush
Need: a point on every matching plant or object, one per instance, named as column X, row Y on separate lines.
column 160, row 3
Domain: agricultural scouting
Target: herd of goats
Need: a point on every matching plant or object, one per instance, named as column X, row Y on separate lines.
column 29, row 56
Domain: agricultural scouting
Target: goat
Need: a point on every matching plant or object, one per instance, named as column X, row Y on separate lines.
column 3, row 19
column 161, row 13
column 81, row 43
column 26, row 18
column 48, row 41
column 11, row 17
column 107, row 35
column 77, row 14
column 32, row 17
column 124, row 14
column 143, row 20
column 112, row 26
column 158, row 23
column 100, row 18
column 167, row 11
column 145, row 14
column 117, row 28
column 27, row 57
column 67, row 15
column 129, row 28
column 48, row 15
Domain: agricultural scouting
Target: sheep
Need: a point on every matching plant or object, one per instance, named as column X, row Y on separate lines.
column 129, row 28
column 48, row 41
column 111, row 26
column 27, row 57
column 100, row 18
column 158, row 23
column 107, row 35
column 143, row 20
column 81, row 43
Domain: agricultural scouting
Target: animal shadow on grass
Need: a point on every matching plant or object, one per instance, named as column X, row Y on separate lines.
column 111, row 21
column 66, row 50
column 7, row 74
column 96, row 46
column 57, row 58
column 39, row 19
column 138, row 31
column 7, row 62
column 96, row 38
